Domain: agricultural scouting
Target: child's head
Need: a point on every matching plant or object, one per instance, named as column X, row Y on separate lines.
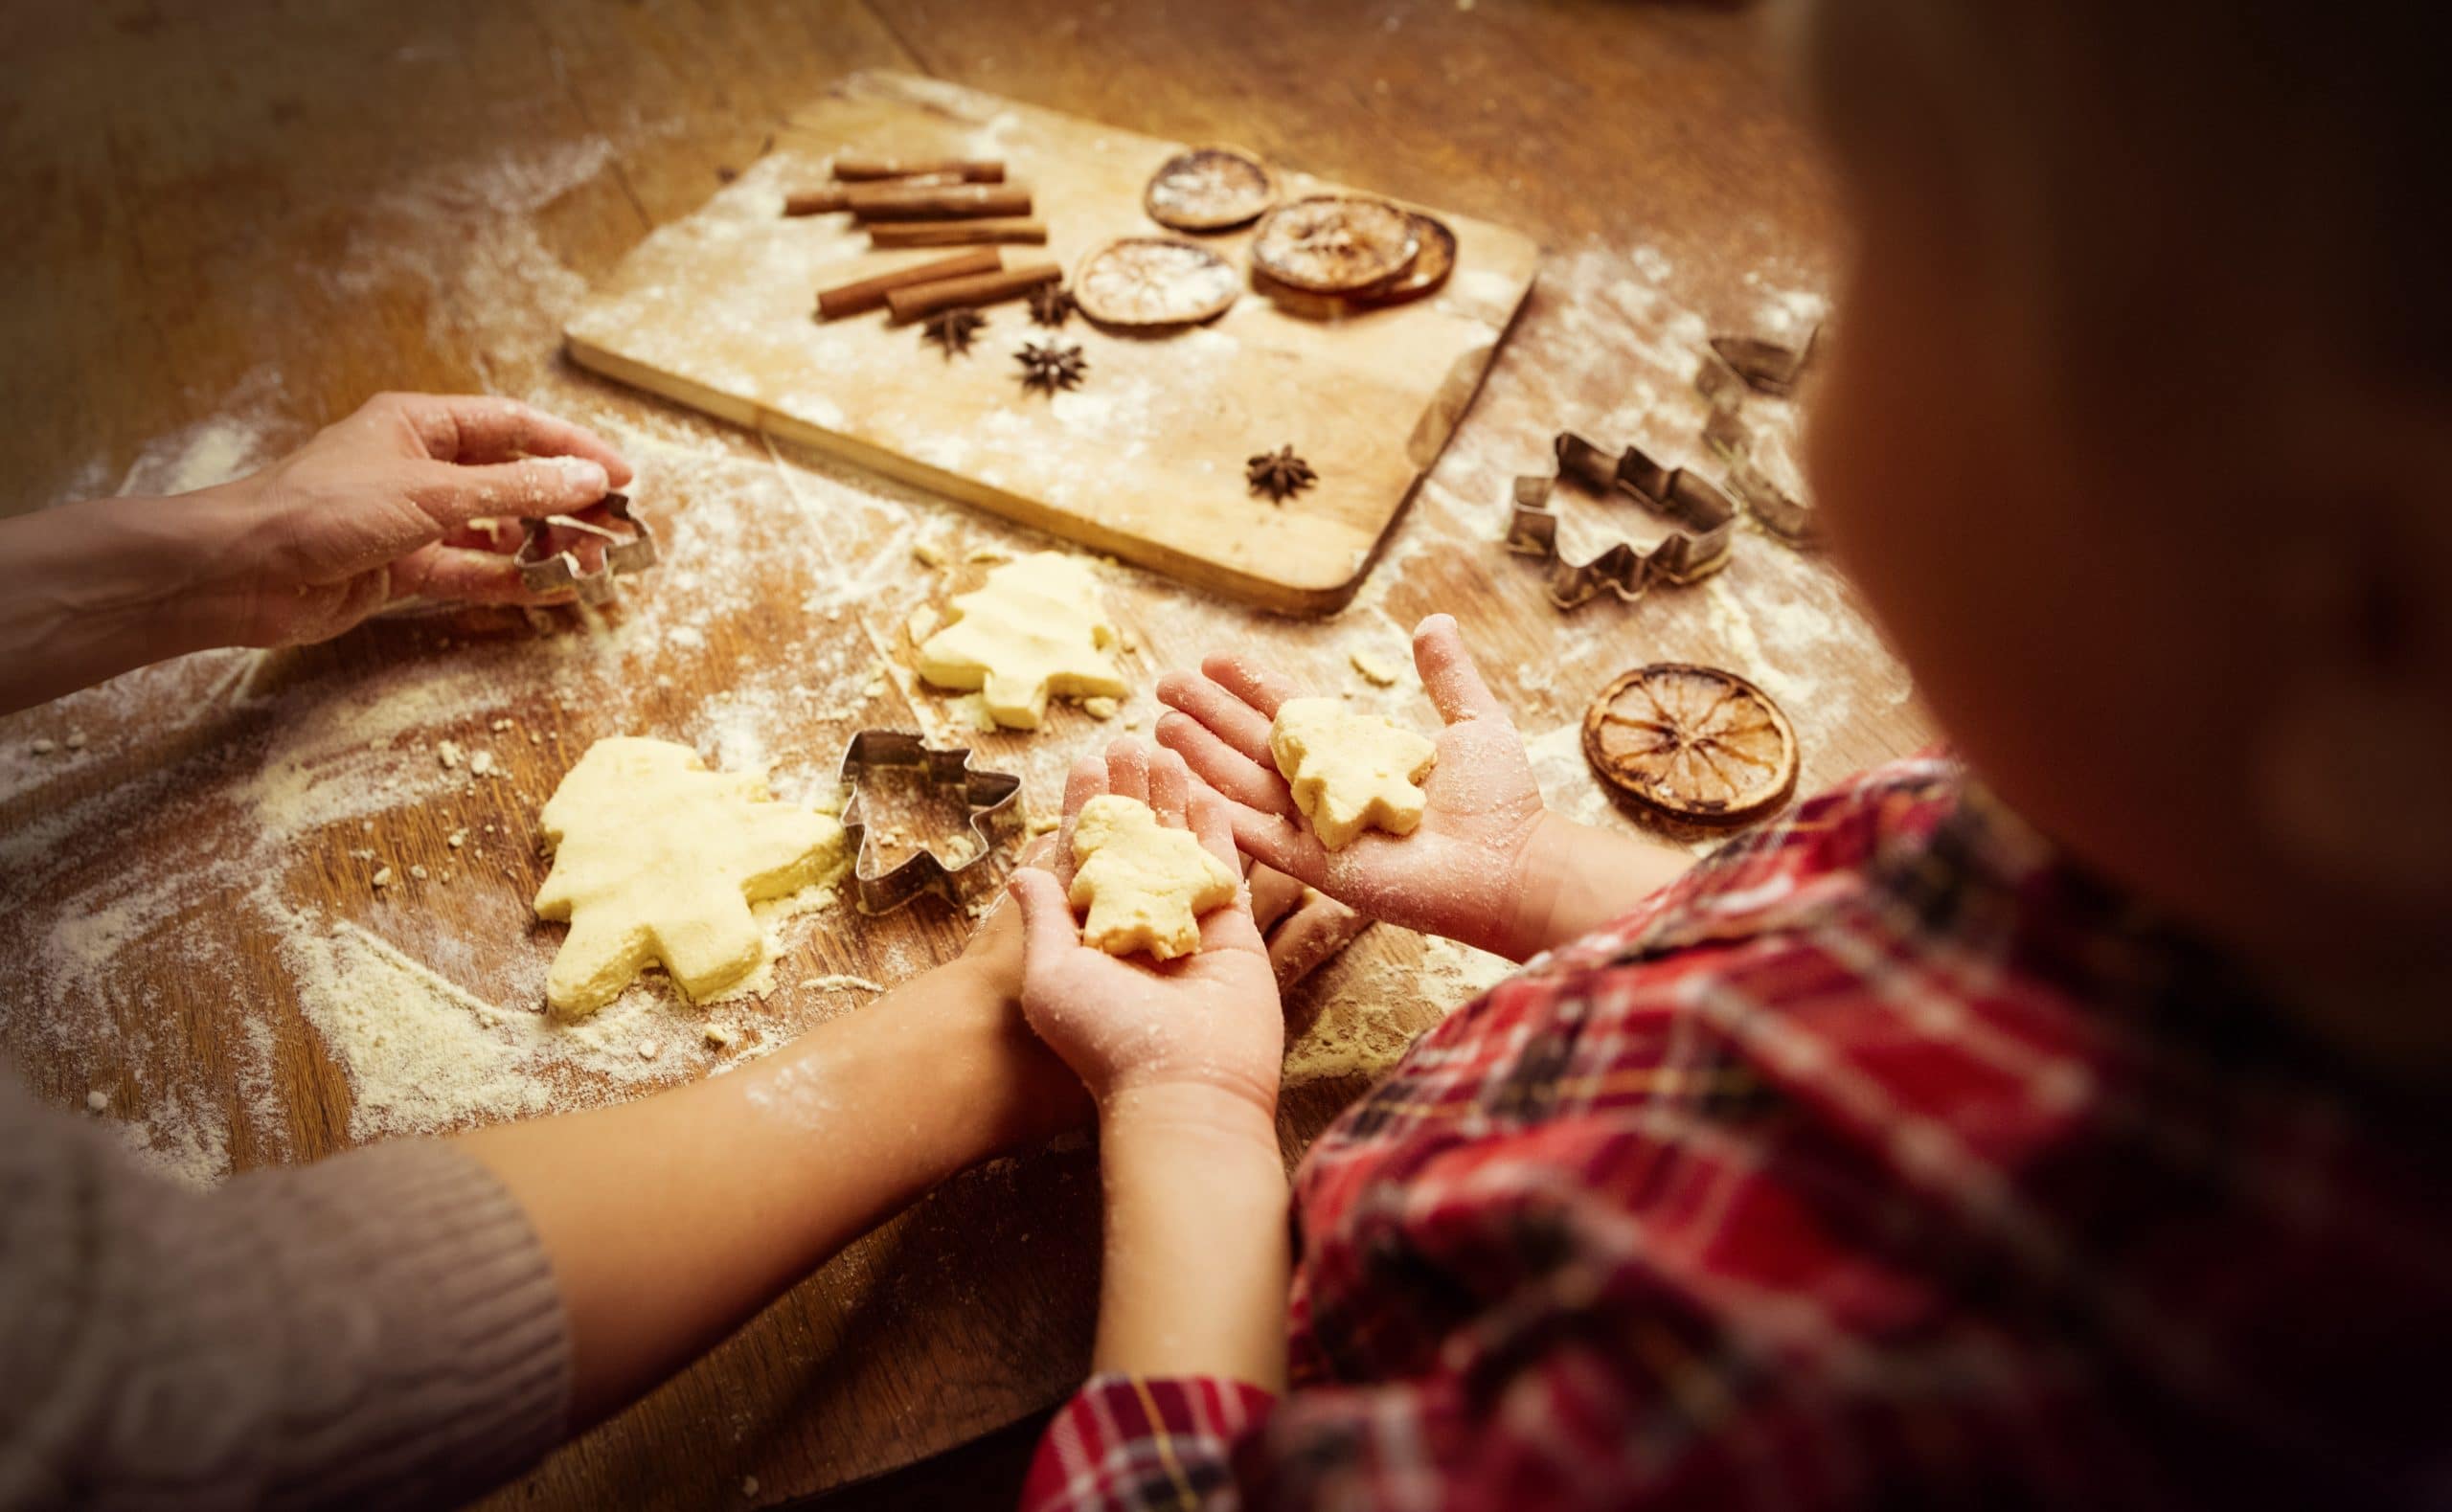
column 2136, row 433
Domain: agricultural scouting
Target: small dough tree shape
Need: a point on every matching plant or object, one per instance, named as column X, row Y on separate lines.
column 1349, row 772
column 1144, row 885
column 1036, row 628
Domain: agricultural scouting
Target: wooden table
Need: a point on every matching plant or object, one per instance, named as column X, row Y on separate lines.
column 232, row 223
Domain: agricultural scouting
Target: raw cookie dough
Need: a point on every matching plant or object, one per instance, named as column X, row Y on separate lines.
column 1036, row 628
column 1145, row 886
column 656, row 858
column 1349, row 772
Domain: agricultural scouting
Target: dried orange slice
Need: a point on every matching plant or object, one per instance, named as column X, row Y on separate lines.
column 1153, row 280
column 1336, row 245
column 1431, row 265
column 1693, row 743
column 1208, row 189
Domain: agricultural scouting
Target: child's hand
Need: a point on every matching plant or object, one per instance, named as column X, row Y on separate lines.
column 1208, row 1020
column 1461, row 874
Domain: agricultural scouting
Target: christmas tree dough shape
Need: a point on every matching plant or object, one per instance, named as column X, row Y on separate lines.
column 1036, row 628
column 657, row 859
column 1144, row 885
column 1349, row 772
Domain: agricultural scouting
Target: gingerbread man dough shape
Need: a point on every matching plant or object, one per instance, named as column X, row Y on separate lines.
column 657, row 859
column 1144, row 885
column 1036, row 628
column 1349, row 772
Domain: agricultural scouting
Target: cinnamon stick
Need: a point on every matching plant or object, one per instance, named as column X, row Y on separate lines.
column 953, row 233
column 850, row 299
column 958, row 202
column 921, row 300
column 973, row 170
column 814, row 201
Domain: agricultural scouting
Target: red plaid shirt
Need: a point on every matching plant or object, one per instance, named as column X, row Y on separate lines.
column 1883, row 1160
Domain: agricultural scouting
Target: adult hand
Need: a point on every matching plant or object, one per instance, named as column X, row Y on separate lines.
column 1207, row 1021
column 377, row 507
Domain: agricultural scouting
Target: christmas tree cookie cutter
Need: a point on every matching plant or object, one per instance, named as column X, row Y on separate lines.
column 990, row 801
column 628, row 548
column 1733, row 369
column 1704, row 517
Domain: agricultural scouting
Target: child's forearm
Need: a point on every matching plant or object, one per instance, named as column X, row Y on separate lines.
column 1195, row 1275
column 670, row 1220
column 1574, row 878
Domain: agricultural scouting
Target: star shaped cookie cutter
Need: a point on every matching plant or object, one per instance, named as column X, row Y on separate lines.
column 626, row 551
column 1704, row 517
column 989, row 797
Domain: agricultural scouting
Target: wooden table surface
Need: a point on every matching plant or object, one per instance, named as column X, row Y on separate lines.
column 231, row 222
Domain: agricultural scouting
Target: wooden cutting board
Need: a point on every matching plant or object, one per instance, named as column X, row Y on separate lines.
column 1147, row 459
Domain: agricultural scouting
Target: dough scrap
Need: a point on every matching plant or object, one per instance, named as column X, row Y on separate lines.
column 1144, row 885
column 1036, row 628
column 657, row 859
column 1349, row 772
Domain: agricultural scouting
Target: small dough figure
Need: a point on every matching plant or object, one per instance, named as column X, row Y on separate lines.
column 656, row 858
column 1349, row 772
column 1144, row 885
column 1036, row 628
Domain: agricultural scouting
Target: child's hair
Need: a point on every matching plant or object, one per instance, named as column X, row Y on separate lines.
column 2196, row 198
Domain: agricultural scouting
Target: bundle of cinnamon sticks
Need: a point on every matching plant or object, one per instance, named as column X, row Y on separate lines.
column 930, row 202
column 925, row 202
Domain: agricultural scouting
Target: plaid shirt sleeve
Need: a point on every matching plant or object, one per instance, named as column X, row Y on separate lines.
column 1129, row 1442
column 1883, row 1160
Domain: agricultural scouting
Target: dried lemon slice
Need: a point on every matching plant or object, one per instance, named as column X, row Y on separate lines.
column 1208, row 189
column 1153, row 280
column 1693, row 742
column 1431, row 265
column 1336, row 244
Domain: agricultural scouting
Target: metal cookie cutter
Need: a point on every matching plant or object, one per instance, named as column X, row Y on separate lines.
column 990, row 797
column 1736, row 368
column 1773, row 507
column 1705, row 518
column 625, row 550
column 1758, row 363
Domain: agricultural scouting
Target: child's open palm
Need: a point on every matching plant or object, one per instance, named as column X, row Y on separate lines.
column 1459, row 874
column 1210, row 1018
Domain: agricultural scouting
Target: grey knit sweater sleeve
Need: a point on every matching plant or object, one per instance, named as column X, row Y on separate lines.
column 376, row 1330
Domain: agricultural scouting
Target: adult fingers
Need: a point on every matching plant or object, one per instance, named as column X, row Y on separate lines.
column 452, row 495
column 1317, row 931
column 1222, row 767
column 475, row 428
column 486, row 534
column 1251, row 682
column 470, row 576
column 1448, row 675
column 1227, row 716
column 1274, row 893
column 1129, row 768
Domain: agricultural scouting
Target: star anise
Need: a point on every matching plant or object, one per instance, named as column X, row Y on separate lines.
column 1280, row 474
column 1050, row 305
column 953, row 330
column 1048, row 367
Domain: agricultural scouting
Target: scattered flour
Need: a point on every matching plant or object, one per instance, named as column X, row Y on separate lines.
column 289, row 766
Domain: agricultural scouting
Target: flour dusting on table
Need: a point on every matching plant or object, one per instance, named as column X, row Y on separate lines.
column 305, row 774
